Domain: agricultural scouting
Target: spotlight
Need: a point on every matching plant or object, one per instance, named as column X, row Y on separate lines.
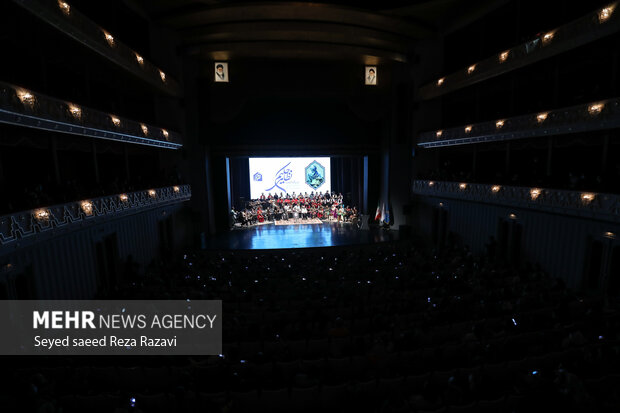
column 499, row 124
column 595, row 108
column 162, row 75
column 123, row 197
column 439, row 133
column 109, row 38
column 547, row 37
column 145, row 129
column 25, row 97
column 116, row 121
column 165, row 133
column 176, row 189
column 462, row 186
column 440, row 81
column 471, row 69
column 467, row 128
column 587, row 197
column 605, row 13
column 503, row 56
column 152, row 193
column 64, row 7
column 75, row 111
column 431, row 183
column 87, row 207
column 139, row 59
column 495, row 188
column 535, row 193
column 41, row 214
column 542, row 116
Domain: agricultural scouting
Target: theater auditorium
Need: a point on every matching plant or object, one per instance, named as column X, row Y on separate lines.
column 403, row 206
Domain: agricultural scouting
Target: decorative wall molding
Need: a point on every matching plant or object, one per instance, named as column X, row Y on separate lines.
column 19, row 106
column 603, row 114
column 603, row 207
column 25, row 226
column 593, row 26
column 63, row 16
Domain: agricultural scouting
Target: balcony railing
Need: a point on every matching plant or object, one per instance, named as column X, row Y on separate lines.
column 604, row 207
column 603, row 114
column 21, row 226
column 19, row 106
column 62, row 15
column 593, row 26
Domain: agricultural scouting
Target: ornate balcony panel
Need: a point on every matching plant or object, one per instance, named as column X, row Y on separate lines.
column 19, row 106
column 604, row 114
column 604, row 207
column 67, row 19
column 593, row 26
column 25, row 226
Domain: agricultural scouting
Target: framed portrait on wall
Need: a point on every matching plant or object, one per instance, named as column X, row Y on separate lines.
column 370, row 78
column 221, row 71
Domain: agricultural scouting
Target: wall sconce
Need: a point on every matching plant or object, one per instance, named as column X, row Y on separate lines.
column 512, row 216
column 547, row 37
column 535, row 193
column 145, row 129
column 595, row 108
column 109, row 38
column 152, row 193
column 499, row 124
column 165, row 133
column 587, row 197
column 75, row 111
column 123, row 197
column 439, row 133
column 116, row 121
column 162, row 75
column 503, row 56
column 605, row 13
column 431, row 183
column 471, row 69
column 176, row 189
column 495, row 188
column 541, row 117
column 41, row 214
column 25, row 97
column 139, row 59
column 462, row 186
column 64, row 7
column 440, row 81
column 87, row 207
column 467, row 128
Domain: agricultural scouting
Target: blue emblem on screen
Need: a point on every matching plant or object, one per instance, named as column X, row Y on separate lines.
column 258, row 176
column 315, row 175
column 283, row 175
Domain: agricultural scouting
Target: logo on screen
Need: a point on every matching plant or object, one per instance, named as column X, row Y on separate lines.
column 258, row 176
column 283, row 175
column 315, row 175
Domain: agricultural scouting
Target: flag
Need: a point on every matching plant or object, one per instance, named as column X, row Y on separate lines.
column 378, row 213
column 386, row 216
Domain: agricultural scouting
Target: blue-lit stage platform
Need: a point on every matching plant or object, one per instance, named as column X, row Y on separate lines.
column 270, row 236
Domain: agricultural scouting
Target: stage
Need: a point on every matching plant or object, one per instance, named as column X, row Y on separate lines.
column 270, row 236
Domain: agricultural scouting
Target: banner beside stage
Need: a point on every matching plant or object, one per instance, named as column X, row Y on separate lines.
column 289, row 175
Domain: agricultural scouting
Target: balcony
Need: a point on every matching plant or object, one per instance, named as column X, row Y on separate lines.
column 17, row 228
column 604, row 114
column 593, row 26
column 605, row 207
column 71, row 22
column 19, row 106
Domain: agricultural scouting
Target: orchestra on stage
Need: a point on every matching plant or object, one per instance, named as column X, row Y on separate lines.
column 295, row 208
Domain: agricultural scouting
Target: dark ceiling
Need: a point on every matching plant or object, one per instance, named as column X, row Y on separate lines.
column 373, row 32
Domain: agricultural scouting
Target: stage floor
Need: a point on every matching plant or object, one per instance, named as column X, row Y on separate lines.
column 270, row 236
